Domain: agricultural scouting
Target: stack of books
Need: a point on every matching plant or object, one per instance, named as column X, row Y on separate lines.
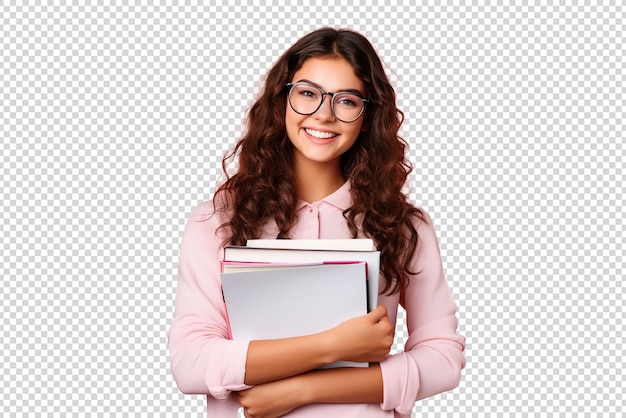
column 286, row 288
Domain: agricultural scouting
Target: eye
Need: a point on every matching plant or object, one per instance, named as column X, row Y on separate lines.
column 348, row 100
column 307, row 91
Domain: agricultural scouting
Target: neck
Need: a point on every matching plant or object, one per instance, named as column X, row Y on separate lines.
column 316, row 181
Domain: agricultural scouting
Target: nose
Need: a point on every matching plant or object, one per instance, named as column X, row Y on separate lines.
column 325, row 111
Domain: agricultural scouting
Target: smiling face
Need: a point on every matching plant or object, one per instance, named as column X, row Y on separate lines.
column 320, row 139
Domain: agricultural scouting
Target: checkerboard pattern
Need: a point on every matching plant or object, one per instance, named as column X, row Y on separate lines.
column 113, row 121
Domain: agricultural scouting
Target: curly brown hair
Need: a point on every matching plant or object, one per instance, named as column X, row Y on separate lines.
column 263, row 187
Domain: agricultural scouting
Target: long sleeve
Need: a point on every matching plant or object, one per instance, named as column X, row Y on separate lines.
column 203, row 359
column 433, row 356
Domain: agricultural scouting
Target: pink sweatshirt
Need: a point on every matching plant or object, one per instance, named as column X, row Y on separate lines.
column 205, row 361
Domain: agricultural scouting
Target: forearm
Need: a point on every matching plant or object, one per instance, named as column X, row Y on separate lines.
column 271, row 360
column 366, row 338
column 342, row 385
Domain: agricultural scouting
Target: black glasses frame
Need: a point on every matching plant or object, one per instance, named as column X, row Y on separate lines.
column 332, row 100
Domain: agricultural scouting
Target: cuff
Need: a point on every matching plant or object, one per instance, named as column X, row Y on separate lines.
column 400, row 383
column 230, row 375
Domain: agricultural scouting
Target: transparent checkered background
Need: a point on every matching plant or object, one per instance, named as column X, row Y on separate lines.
column 113, row 121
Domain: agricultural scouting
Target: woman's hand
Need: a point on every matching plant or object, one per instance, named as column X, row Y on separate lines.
column 366, row 338
column 270, row 400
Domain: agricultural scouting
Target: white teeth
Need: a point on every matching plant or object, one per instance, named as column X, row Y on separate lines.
column 321, row 135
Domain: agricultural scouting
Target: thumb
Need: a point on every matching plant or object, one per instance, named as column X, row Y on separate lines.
column 378, row 313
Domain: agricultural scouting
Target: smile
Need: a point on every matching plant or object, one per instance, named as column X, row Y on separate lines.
column 320, row 134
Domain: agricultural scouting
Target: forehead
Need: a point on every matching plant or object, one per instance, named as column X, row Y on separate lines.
column 331, row 74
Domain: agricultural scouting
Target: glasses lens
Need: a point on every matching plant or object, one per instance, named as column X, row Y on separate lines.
column 306, row 99
column 348, row 106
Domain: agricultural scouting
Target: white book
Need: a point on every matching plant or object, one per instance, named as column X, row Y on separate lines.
column 271, row 303
column 232, row 266
column 302, row 256
column 361, row 244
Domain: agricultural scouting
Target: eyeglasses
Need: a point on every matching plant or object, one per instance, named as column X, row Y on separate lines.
column 306, row 99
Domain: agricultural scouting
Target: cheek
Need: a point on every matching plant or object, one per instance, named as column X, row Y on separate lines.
column 289, row 120
column 292, row 119
column 355, row 131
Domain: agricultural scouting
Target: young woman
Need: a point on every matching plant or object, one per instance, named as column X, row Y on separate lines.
column 320, row 158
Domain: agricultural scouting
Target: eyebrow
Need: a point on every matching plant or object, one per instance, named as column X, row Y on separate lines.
column 355, row 91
